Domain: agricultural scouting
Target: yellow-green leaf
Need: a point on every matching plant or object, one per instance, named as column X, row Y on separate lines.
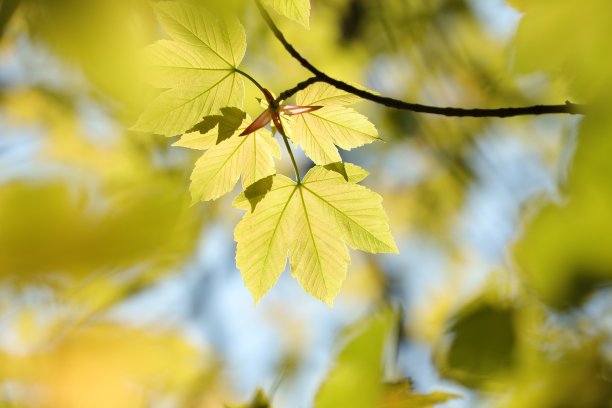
column 198, row 67
column 316, row 219
column 319, row 258
column 357, row 211
column 296, row 10
column 263, row 238
column 320, row 131
column 246, row 199
column 324, row 94
column 250, row 157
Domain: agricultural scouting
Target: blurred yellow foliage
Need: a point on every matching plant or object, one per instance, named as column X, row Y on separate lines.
column 106, row 365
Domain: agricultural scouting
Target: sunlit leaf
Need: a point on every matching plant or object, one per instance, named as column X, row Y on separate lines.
column 320, row 131
column 199, row 67
column 260, row 400
column 313, row 221
column 250, row 157
column 357, row 210
column 578, row 376
column 264, row 237
column 296, row 10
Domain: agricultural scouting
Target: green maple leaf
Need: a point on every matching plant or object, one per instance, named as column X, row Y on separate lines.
column 320, row 131
column 229, row 156
column 197, row 68
column 312, row 221
column 296, row 10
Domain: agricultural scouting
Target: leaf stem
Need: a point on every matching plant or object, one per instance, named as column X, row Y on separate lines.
column 250, row 78
column 288, row 146
column 299, row 87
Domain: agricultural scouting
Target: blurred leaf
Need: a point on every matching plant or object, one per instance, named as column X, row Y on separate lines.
column 199, row 68
column 579, row 378
column 106, row 366
column 482, row 344
column 399, row 395
column 47, row 229
column 101, row 36
column 355, row 379
column 569, row 38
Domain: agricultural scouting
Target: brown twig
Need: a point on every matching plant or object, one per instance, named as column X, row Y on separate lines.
column 320, row 76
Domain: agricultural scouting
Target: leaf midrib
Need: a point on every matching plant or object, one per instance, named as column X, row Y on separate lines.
column 269, row 246
column 346, row 216
column 201, row 93
column 202, row 41
column 312, row 236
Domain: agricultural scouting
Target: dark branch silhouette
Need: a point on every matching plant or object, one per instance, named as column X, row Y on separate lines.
column 301, row 86
column 320, row 76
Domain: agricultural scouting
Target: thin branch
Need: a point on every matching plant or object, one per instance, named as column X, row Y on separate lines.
column 299, row 87
column 295, row 166
column 250, row 78
column 566, row 108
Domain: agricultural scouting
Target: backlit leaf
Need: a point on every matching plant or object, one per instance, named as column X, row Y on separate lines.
column 313, row 221
column 264, row 237
column 296, row 10
column 320, row 131
column 198, row 67
column 323, row 94
column 250, row 157
column 357, row 211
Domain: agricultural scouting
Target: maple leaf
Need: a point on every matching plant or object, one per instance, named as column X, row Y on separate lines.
column 312, row 221
column 229, row 156
column 197, row 68
column 296, row 10
column 333, row 125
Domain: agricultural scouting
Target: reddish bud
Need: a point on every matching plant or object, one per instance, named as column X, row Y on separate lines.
column 261, row 121
column 296, row 110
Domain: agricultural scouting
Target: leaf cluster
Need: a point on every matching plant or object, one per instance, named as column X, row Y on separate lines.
column 314, row 219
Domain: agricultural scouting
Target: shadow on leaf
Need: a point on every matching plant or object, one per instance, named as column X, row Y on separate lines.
column 229, row 121
column 339, row 168
column 258, row 190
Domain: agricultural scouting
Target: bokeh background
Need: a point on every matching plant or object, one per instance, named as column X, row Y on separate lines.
column 115, row 292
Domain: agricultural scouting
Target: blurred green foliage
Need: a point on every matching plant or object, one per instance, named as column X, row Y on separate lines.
column 97, row 214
